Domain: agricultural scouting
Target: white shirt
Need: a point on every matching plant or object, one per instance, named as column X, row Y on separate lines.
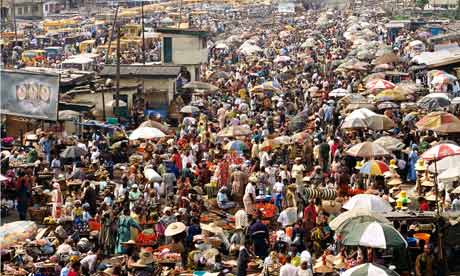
column 89, row 262
column 283, row 219
column 278, row 187
column 288, row 270
column 250, row 189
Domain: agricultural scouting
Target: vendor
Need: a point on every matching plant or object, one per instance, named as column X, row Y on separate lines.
column 124, row 224
column 222, row 199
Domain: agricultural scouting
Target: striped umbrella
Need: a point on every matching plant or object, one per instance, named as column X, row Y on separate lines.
column 440, row 122
column 356, row 216
column 369, row 270
column 440, row 151
column 366, row 150
column 374, row 167
column 378, row 84
column 236, row 145
column 373, row 234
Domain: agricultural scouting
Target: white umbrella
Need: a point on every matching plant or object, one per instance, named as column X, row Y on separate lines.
column 152, row 175
column 356, row 215
column 373, row 234
column 369, row 269
column 445, row 163
column 339, row 92
column 113, row 103
column 282, row 59
column 450, row 173
column 189, row 109
column 362, row 113
column 146, row 133
column 369, row 202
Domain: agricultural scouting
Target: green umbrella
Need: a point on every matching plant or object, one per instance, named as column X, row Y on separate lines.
column 373, row 234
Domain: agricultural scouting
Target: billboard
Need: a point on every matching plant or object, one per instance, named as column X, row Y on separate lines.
column 286, row 7
column 29, row 94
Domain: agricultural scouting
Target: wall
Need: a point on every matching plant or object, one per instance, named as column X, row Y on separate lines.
column 188, row 49
column 29, row 9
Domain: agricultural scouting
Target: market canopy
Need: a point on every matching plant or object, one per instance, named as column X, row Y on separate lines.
column 367, row 150
column 146, row 133
column 369, row 202
column 439, row 122
column 374, row 235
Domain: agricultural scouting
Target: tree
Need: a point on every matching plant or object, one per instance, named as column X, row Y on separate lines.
column 421, row 3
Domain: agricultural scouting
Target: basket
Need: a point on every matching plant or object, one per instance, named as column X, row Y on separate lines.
column 423, row 236
column 93, row 225
column 38, row 214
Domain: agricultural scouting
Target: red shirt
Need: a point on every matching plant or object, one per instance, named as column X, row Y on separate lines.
column 424, row 206
column 177, row 160
column 309, row 213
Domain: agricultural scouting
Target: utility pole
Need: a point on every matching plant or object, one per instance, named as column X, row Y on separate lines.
column 143, row 32
column 14, row 23
column 111, row 34
column 117, row 91
column 180, row 14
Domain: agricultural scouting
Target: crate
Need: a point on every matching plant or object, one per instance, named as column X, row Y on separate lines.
column 38, row 214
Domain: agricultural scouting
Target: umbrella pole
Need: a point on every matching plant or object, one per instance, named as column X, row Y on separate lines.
column 438, row 213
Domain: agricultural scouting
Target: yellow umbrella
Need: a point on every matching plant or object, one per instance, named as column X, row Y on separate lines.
column 391, row 95
column 440, row 122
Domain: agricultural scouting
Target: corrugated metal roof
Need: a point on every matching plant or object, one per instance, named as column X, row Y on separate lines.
column 141, row 70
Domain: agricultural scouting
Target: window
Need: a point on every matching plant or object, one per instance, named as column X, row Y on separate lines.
column 26, row 9
column 19, row 11
column 35, row 8
column 204, row 43
column 46, row 8
column 167, row 50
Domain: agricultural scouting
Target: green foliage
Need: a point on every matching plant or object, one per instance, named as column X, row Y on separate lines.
column 421, row 3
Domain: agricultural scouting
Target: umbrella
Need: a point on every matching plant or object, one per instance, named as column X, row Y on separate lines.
column 236, row 145
column 374, row 167
column 151, row 175
column 221, row 46
column 383, row 67
column 282, row 59
column 268, row 145
column 450, row 173
column 386, row 58
column 366, row 150
column 356, row 215
column 433, row 102
column 369, row 202
column 440, row 122
column 266, row 86
column 352, row 98
column 189, row 109
column 234, row 131
column 380, row 122
column 378, row 84
column 354, row 123
column 283, row 140
column 387, row 105
column 362, row 113
column 391, row 95
column 369, row 269
column 389, row 143
column 445, row 163
column 339, row 92
column 155, row 124
column 201, row 85
column 146, row 133
column 300, row 137
column 440, row 151
column 373, row 234
column 68, row 115
column 73, row 152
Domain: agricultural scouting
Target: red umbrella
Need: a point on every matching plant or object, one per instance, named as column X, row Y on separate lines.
column 440, row 151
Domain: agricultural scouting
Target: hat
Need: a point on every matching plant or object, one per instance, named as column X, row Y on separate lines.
column 56, row 185
column 134, row 186
column 145, row 258
column 359, row 165
column 130, row 242
column 174, row 229
column 212, row 228
column 394, row 181
column 167, row 209
column 253, row 178
column 420, row 165
column 402, row 194
column 198, row 238
column 428, row 183
column 430, row 196
column 393, row 164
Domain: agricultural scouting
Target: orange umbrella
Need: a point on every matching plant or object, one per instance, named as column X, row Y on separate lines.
column 439, row 121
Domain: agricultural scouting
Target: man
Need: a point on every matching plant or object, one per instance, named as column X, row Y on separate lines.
column 243, row 260
column 239, row 179
column 288, row 269
column 89, row 263
column 222, row 199
column 424, row 263
column 260, row 237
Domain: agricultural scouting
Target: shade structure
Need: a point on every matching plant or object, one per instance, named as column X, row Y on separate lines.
column 380, row 122
column 374, row 167
column 354, row 123
column 155, row 124
column 369, row 269
column 450, row 174
column 234, row 131
column 201, row 85
column 67, row 115
column 352, row 98
column 73, row 152
column 391, row 95
column 389, row 143
column 282, row 59
column 387, row 105
column 445, row 164
column 356, row 215
column 373, row 234
column 146, row 133
column 339, row 92
column 367, row 150
column 189, row 109
column 369, row 202
column 378, row 85
column 433, row 102
column 236, row 146
column 439, row 121
column 440, row 151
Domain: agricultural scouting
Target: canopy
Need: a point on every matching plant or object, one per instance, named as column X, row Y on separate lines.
column 374, row 167
column 373, row 234
column 369, row 202
column 369, row 269
column 440, row 122
column 146, row 133
column 366, row 150
column 16, row 232
column 356, row 215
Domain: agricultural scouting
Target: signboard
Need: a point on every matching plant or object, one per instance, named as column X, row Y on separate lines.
column 286, row 7
column 29, row 94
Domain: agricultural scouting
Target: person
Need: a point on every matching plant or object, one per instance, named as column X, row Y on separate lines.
column 90, row 197
column 243, row 260
column 23, row 194
column 413, row 157
column 124, row 224
column 259, row 235
column 89, row 263
column 288, row 269
column 249, row 198
column 107, row 232
column 57, row 200
column 304, row 269
column 310, row 215
column 74, row 269
column 222, row 199
column 424, row 262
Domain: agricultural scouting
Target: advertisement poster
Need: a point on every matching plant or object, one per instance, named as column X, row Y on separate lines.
column 29, row 94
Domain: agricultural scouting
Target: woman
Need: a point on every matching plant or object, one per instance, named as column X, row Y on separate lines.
column 23, row 194
column 107, row 233
column 413, row 157
column 57, row 200
column 124, row 224
column 249, row 198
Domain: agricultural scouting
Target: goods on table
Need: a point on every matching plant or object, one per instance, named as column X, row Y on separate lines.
column 16, row 232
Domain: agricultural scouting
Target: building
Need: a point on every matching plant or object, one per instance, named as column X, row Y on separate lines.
column 159, row 83
column 443, row 4
column 23, row 9
column 184, row 47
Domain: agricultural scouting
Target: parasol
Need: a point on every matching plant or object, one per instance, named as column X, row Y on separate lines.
column 367, row 150
column 440, row 122
column 73, row 152
column 234, row 131
column 146, row 133
column 389, row 143
column 374, row 167
column 369, row 202
column 373, row 234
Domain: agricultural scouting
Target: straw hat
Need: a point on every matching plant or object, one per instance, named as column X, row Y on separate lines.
column 430, row 196
column 395, row 182
column 108, row 271
column 323, row 267
column 130, row 242
column 339, row 262
column 174, row 229
column 145, row 258
column 359, row 165
column 393, row 164
column 420, row 165
column 428, row 183
column 394, row 189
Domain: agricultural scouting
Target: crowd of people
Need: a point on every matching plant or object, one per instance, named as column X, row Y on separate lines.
column 250, row 182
